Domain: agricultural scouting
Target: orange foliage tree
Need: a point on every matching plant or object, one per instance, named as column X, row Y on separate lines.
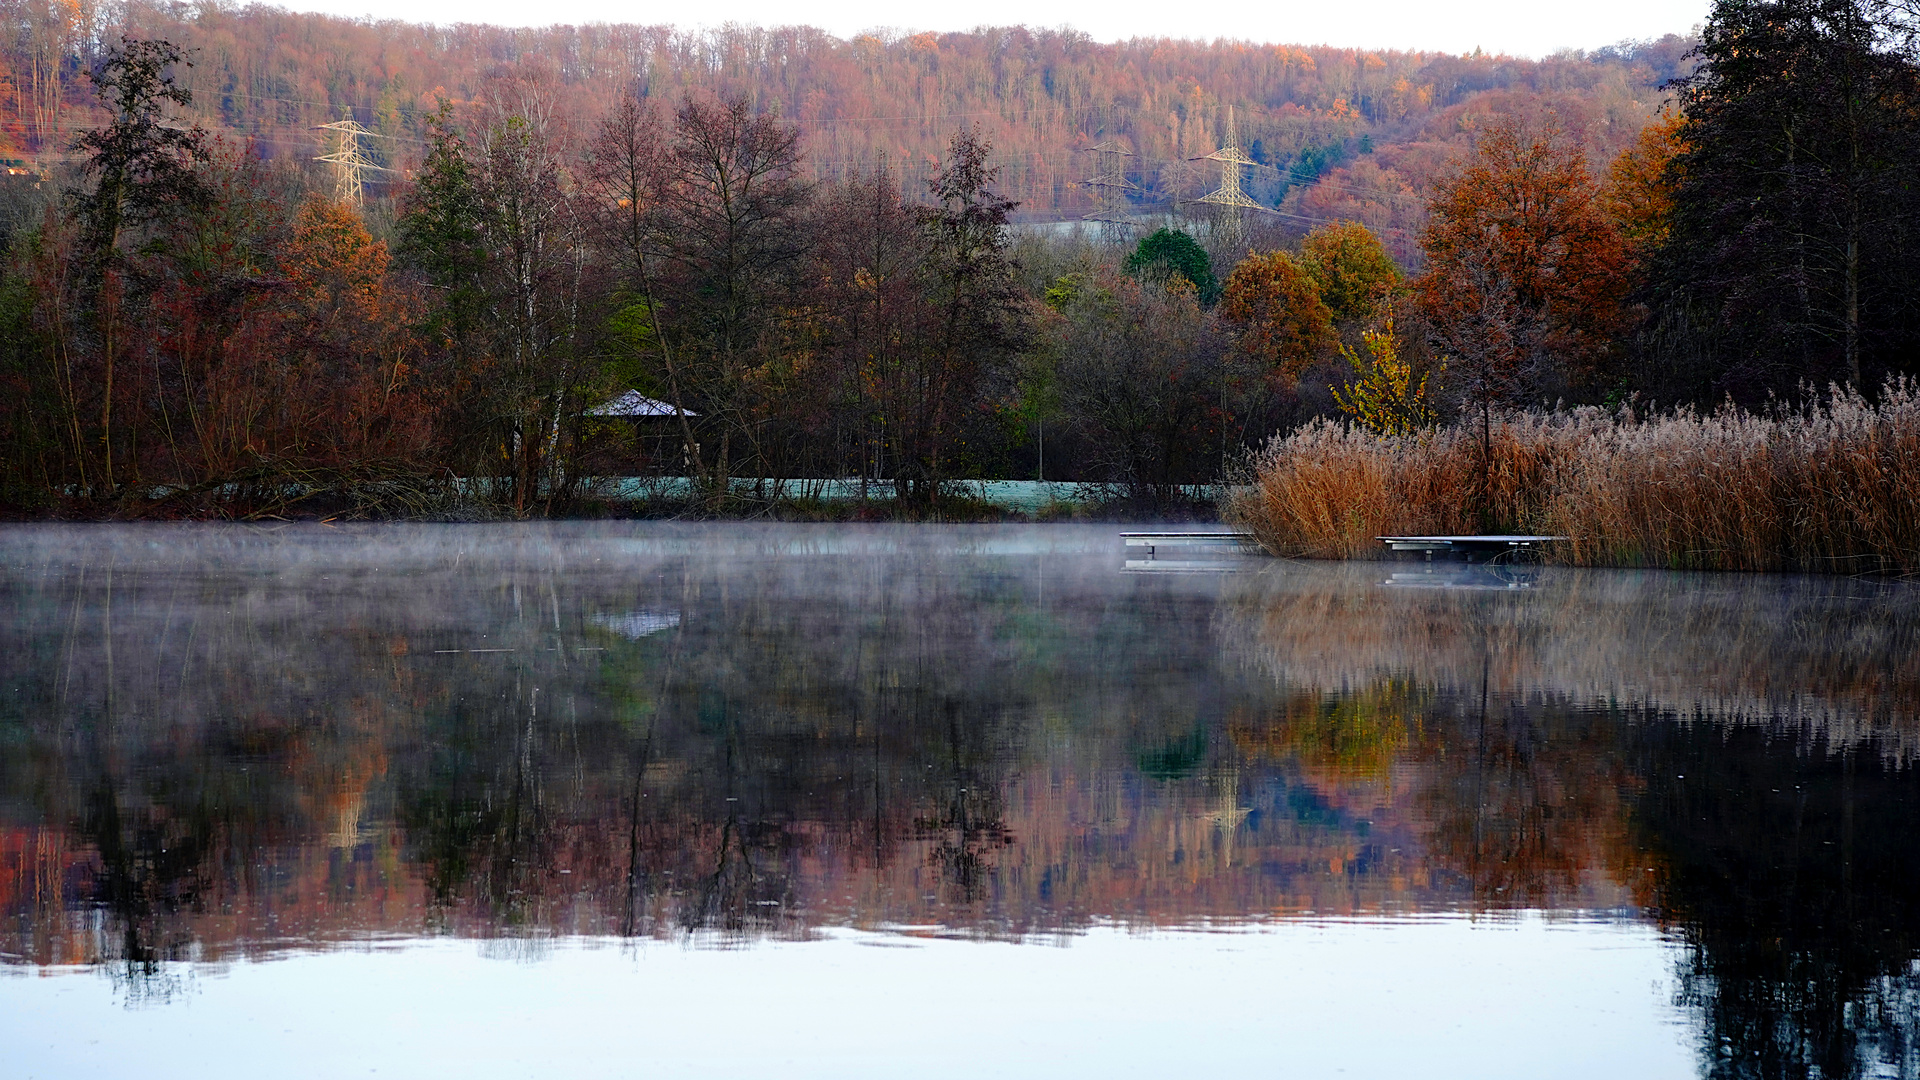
column 288, row 348
column 1526, row 272
column 1638, row 192
column 1275, row 306
column 344, row 329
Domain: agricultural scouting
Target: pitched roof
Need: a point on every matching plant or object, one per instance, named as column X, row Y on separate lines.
column 635, row 403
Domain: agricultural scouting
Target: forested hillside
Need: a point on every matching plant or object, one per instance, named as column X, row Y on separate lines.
column 1369, row 127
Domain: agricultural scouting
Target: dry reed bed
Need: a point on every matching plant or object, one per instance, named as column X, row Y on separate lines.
column 1832, row 487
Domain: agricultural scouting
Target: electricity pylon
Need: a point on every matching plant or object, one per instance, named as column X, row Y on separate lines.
column 350, row 166
column 1231, row 159
column 1110, row 186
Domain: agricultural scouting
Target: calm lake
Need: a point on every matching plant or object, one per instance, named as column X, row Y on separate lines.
column 656, row 800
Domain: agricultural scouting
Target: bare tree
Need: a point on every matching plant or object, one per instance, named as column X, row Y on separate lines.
column 498, row 224
column 870, row 307
column 979, row 316
column 628, row 160
column 729, row 202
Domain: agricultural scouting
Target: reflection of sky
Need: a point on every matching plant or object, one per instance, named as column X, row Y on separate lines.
column 1430, row 997
column 637, row 624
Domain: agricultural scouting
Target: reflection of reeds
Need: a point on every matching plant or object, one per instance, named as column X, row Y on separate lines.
column 1839, row 653
column 1832, row 487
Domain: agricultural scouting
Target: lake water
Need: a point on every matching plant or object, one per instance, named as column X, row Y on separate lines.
column 644, row 799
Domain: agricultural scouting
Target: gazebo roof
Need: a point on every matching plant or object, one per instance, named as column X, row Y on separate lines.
column 635, row 403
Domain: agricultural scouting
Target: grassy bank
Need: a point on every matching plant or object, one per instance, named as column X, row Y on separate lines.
column 1833, row 487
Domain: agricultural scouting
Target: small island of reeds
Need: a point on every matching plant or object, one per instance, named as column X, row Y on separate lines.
column 1831, row 486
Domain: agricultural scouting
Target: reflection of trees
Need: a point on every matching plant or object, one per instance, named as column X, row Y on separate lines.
column 1788, row 869
column 1517, row 799
column 1517, row 792
column 1356, row 735
column 969, row 824
column 687, row 741
column 693, row 742
column 1632, row 723
column 1732, row 644
column 1522, row 799
column 479, row 816
column 145, row 871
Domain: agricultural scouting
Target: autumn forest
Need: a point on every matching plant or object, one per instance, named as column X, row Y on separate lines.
column 910, row 260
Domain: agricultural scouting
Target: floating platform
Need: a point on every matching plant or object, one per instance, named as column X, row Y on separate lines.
column 1472, row 547
column 1232, row 545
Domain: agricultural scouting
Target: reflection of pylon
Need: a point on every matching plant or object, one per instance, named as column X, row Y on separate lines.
column 1110, row 186
column 350, row 166
column 1231, row 160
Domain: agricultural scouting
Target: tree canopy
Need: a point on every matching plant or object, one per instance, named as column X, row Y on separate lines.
column 1788, row 252
column 1525, row 271
column 1352, row 267
column 1166, row 252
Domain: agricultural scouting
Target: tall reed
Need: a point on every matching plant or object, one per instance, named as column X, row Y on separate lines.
column 1833, row 486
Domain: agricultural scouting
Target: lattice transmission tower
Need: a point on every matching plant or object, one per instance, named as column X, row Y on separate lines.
column 1110, row 187
column 1231, row 160
column 351, row 166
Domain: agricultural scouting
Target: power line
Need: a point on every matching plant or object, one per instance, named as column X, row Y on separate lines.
column 352, row 167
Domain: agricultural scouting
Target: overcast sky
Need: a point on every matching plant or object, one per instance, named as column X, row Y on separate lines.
column 1511, row 26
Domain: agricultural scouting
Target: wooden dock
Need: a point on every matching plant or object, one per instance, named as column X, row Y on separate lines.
column 1484, row 547
column 1232, row 545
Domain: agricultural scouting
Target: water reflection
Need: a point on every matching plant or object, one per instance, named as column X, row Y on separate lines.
column 224, row 743
column 1450, row 575
column 1737, row 752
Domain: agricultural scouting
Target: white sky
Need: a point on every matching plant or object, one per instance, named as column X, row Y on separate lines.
column 1512, row 26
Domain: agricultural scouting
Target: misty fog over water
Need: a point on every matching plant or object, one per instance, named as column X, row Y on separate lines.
column 672, row 799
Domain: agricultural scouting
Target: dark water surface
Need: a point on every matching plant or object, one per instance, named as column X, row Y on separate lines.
column 657, row 800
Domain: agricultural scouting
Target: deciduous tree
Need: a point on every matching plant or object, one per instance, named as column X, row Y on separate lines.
column 731, row 204
column 1275, row 305
column 1525, row 272
column 1638, row 192
column 495, row 223
column 978, row 319
column 1150, row 391
column 143, row 168
column 626, row 170
column 1355, row 274
column 144, row 173
column 1385, row 394
column 872, row 313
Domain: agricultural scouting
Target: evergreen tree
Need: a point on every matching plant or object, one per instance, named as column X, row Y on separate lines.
column 144, row 170
column 1171, row 251
column 1788, row 257
column 440, row 232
